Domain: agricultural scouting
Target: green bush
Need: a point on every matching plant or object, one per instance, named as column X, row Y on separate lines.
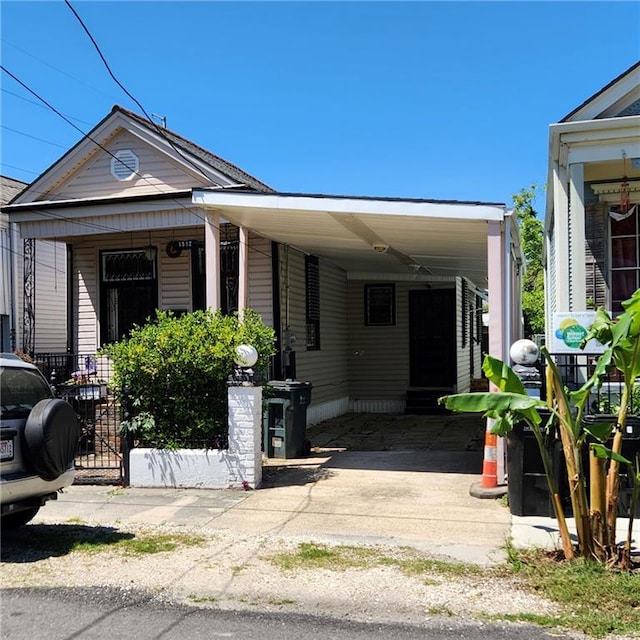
column 175, row 371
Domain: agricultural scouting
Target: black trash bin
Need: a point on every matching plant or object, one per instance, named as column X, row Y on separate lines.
column 528, row 491
column 285, row 419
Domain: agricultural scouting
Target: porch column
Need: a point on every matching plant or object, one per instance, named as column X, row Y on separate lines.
column 561, row 214
column 243, row 275
column 498, row 253
column 212, row 253
column 577, row 284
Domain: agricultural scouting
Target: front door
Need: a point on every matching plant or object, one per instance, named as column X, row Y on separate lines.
column 432, row 338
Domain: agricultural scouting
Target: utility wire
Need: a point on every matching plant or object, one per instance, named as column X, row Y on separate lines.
column 192, row 211
column 37, row 104
column 28, row 135
column 115, row 79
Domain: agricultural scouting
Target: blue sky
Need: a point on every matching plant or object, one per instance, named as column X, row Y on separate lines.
column 444, row 100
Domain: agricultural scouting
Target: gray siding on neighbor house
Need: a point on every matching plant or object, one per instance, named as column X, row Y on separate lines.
column 157, row 174
column 468, row 346
column 325, row 368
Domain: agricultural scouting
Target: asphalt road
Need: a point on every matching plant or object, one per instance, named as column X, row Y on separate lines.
column 67, row 614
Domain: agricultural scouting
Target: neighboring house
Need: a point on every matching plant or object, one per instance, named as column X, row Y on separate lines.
column 376, row 301
column 44, row 325
column 592, row 224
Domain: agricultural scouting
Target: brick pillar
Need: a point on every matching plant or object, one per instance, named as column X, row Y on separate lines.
column 245, row 436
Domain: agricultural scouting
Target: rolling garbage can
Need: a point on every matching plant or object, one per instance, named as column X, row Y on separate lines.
column 285, row 419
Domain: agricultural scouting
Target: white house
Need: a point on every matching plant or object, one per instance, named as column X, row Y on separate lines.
column 376, row 301
column 592, row 222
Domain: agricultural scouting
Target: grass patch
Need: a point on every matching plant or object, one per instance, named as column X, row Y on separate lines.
column 36, row 542
column 593, row 599
column 310, row 555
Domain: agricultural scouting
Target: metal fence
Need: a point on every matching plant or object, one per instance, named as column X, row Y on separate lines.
column 577, row 369
column 83, row 380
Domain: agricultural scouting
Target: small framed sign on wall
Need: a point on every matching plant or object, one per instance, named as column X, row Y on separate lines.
column 379, row 305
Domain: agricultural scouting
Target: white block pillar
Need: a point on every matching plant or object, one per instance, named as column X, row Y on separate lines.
column 245, row 436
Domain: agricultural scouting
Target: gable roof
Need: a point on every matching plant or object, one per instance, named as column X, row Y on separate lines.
column 10, row 188
column 612, row 100
column 215, row 161
column 190, row 154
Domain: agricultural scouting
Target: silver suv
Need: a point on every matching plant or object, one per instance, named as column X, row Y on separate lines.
column 38, row 441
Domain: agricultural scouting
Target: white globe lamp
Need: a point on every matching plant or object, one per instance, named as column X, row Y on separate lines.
column 246, row 356
column 524, row 352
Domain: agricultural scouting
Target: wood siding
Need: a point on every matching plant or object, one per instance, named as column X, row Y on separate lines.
column 158, row 174
column 260, row 277
column 378, row 357
column 325, row 368
column 50, row 295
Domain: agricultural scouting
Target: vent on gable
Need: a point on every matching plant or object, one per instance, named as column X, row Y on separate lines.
column 124, row 165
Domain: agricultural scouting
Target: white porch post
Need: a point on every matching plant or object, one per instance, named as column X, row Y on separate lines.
column 561, row 213
column 497, row 251
column 578, row 290
column 243, row 276
column 212, row 253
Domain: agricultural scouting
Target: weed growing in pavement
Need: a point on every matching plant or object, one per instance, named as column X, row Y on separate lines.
column 593, row 599
column 590, row 598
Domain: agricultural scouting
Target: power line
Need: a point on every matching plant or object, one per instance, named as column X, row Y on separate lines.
column 28, row 135
column 149, row 118
column 11, row 166
column 64, row 73
column 192, row 211
column 37, row 104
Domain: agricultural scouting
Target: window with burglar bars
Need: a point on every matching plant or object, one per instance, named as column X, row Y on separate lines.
column 312, row 286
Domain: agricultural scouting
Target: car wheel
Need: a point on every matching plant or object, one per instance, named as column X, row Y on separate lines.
column 17, row 519
column 51, row 436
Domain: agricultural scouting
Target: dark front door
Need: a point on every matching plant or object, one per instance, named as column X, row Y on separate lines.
column 432, row 338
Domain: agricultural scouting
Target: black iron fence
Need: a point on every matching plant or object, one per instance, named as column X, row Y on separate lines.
column 83, row 380
column 576, row 369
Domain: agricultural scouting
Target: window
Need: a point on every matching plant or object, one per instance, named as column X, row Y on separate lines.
column 128, row 292
column 379, row 305
column 312, row 285
column 625, row 258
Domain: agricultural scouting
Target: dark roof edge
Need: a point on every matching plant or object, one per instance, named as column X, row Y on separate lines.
column 71, row 204
column 601, row 91
column 217, row 162
column 344, row 197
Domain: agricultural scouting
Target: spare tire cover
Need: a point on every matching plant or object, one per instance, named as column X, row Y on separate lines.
column 51, row 436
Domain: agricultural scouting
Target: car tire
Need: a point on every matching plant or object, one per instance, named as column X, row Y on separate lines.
column 51, row 437
column 17, row 519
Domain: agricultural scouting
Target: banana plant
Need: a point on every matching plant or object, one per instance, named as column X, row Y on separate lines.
column 595, row 514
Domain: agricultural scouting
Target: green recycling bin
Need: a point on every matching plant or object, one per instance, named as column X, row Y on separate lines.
column 285, row 420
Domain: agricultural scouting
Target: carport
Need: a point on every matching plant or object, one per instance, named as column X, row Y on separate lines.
column 371, row 239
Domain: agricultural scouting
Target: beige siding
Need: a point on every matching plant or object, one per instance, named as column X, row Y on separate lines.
column 260, row 277
column 50, row 295
column 378, row 356
column 158, row 174
column 325, row 368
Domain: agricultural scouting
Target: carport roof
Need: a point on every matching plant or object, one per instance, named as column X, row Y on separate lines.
column 393, row 237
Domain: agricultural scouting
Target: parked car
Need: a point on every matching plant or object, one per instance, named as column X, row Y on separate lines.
column 38, row 441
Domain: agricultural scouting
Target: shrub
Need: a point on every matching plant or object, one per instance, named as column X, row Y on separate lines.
column 175, row 371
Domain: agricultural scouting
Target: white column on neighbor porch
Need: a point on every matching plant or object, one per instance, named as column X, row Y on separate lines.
column 212, row 253
column 561, row 214
column 577, row 256
column 243, row 276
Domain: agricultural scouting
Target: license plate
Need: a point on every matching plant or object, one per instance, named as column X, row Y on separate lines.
column 6, row 449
